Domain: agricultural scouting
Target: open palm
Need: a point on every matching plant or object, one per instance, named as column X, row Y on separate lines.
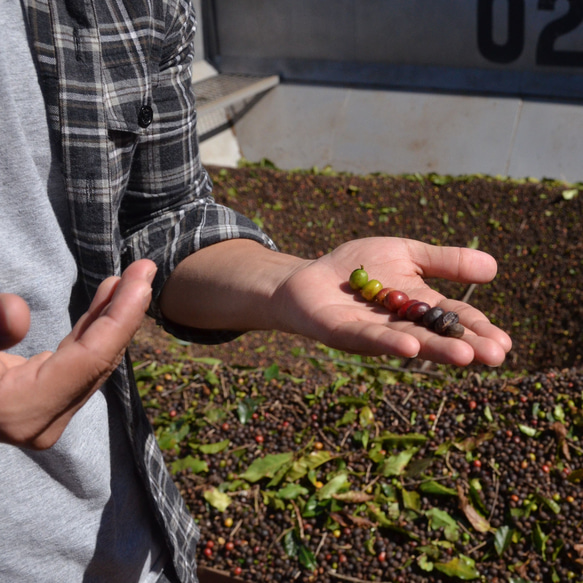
column 320, row 304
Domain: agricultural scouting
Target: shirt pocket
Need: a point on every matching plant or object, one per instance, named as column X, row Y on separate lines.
column 130, row 50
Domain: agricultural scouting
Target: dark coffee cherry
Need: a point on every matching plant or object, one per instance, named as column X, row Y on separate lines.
column 416, row 311
column 431, row 316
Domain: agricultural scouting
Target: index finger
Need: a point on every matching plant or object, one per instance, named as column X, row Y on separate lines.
column 454, row 263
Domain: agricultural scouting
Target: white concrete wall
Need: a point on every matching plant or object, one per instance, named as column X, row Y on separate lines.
column 365, row 131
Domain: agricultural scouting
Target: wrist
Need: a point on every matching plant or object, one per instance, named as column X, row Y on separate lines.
column 233, row 285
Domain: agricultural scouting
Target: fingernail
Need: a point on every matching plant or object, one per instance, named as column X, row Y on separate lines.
column 147, row 298
column 151, row 274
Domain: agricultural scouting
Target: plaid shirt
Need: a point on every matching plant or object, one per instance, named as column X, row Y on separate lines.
column 116, row 78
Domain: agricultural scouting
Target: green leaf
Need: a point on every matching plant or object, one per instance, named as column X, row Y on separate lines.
column 246, row 408
column 559, row 413
column 527, row 430
column 215, row 414
column 213, row 448
column 295, row 548
column 211, row 378
column 195, row 465
column 269, row 499
column 476, row 495
column 314, row 507
column 502, row 539
column 233, row 486
column 433, row 487
column 396, row 440
column 365, row 436
column 291, row 492
column 306, row 463
column 473, row 442
column 207, row 360
column 366, row 416
column 570, row 193
column 418, row 467
column 575, row 476
column 441, row 519
column 291, row 544
column 424, row 563
column 266, row 467
column 348, row 418
column 271, row 372
column 443, row 448
column 353, row 497
column 474, row 243
column 350, row 400
column 411, row 500
column 473, row 516
column 395, row 465
column 339, row 382
column 461, row 567
column 376, row 453
column 539, row 539
column 378, row 515
column 551, row 504
column 279, row 475
column 307, row 558
column 169, row 437
column 217, row 499
column 335, row 485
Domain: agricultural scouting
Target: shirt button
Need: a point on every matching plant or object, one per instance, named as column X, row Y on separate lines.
column 145, row 116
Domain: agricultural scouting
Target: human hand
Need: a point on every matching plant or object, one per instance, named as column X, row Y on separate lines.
column 317, row 301
column 39, row 396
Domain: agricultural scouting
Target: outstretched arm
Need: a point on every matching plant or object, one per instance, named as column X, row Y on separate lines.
column 39, row 396
column 240, row 285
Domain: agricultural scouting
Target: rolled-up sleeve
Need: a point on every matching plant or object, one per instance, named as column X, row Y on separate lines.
column 167, row 211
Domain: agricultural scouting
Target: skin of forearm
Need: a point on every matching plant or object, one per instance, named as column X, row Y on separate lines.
column 230, row 285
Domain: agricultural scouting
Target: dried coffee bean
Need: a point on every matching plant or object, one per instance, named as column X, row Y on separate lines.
column 454, row 331
column 444, row 321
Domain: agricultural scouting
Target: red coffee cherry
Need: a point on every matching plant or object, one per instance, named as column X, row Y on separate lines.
column 416, row 311
column 395, row 299
column 402, row 311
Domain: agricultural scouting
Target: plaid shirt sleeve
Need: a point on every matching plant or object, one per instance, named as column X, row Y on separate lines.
column 168, row 211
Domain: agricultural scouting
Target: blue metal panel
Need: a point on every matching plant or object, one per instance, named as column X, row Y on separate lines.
column 527, row 48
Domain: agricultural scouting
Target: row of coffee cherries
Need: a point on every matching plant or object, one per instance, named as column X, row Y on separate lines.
column 436, row 318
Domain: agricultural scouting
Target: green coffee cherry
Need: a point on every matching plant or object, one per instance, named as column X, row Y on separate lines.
column 371, row 289
column 358, row 278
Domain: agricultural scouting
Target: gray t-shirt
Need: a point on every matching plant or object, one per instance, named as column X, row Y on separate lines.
column 76, row 512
